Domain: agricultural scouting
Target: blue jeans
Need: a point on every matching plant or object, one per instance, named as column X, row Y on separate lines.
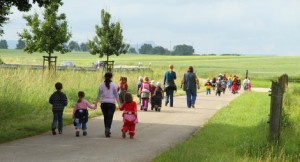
column 191, row 96
column 169, row 97
column 57, row 118
column 207, row 91
column 78, row 124
column 108, row 110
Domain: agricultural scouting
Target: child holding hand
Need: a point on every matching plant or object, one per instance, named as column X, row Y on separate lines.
column 80, row 113
column 129, row 116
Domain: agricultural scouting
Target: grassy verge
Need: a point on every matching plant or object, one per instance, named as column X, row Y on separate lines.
column 239, row 133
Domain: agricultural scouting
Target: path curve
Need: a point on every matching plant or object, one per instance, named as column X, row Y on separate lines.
column 155, row 133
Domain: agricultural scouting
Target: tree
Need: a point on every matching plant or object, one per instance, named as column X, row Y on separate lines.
column 183, row 50
column 132, row 50
column 146, row 49
column 159, row 50
column 21, row 44
column 73, row 46
column 49, row 35
column 109, row 39
column 84, row 47
column 3, row 44
column 22, row 5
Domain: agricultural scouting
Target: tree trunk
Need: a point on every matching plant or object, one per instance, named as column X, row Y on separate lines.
column 107, row 57
column 49, row 61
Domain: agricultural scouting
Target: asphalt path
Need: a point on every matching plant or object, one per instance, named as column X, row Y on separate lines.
column 155, row 133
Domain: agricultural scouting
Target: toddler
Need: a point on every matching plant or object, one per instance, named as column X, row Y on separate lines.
column 80, row 113
column 129, row 116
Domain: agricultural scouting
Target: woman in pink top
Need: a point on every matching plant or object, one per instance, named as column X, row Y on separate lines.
column 108, row 96
column 80, row 113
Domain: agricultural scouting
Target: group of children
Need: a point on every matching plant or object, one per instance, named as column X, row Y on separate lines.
column 221, row 83
column 149, row 91
column 146, row 91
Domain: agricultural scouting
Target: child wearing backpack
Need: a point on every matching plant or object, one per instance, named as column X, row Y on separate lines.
column 218, row 88
column 129, row 116
column 158, row 95
column 145, row 92
column 138, row 90
column 153, row 87
column 80, row 113
column 58, row 100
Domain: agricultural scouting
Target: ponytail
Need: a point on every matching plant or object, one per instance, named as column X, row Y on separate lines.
column 107, row 80
column 80, row 96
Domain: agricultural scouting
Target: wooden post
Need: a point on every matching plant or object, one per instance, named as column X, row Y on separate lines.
column 50, row 61
column 275, row 112
column 246, row 73
column 283, row 81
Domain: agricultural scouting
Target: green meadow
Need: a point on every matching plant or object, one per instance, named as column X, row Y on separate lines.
column 236, row 133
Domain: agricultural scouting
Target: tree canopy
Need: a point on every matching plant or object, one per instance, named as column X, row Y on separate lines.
column 109, row 39
column 49, row 35
column 22, row 5
column 21, row 44
column 183, row 50
column 3, row 44
column 132, row 50
column 73, row 46
column 146, row 49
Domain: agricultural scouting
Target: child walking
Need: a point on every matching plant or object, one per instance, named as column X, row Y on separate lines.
column 58, row 100
column 80, row 113
column 208, row 86
column 138, row 90
column 129, row 116
column 158, row 95
column 153, row 87
column 122, row 89
column 145, row 92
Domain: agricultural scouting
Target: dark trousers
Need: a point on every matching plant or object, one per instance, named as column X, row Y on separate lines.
column 57, row 118
column 169, row 96
column 108, row 110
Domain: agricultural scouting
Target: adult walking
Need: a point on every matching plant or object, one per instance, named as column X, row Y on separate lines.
column 190, row 84
column 170, row 86
column 108, row 96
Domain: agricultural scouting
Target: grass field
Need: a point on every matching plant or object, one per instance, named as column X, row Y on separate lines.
column 239, row 132
column 25, row 110
column 260, row 68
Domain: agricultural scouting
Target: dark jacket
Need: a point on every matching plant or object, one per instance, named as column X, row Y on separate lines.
column 58, row 100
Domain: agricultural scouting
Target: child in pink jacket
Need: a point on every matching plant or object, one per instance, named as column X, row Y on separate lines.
column 80, row 113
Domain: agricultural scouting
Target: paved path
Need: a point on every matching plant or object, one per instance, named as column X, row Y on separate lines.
column 156, row 132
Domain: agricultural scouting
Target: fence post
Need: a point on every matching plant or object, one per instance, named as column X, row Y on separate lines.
column 278, row 89
column 275, row 112
column 283, row 80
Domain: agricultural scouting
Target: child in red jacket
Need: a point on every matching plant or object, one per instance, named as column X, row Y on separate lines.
column 129, row 116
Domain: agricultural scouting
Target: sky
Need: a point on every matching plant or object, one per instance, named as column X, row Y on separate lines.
column 250, row 27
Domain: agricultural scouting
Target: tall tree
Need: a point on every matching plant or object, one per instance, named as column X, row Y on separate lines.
column 84, row 47
column 109, row 39
column 49, row 35
column 132, row 50
column 22, row 5
column 183, row 50
column 146, row 49
column 73, row 46
column 3, row 44
column 21, row 44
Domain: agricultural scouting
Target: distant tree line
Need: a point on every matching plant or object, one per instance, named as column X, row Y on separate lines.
column 72, row 45
column 177, row 50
